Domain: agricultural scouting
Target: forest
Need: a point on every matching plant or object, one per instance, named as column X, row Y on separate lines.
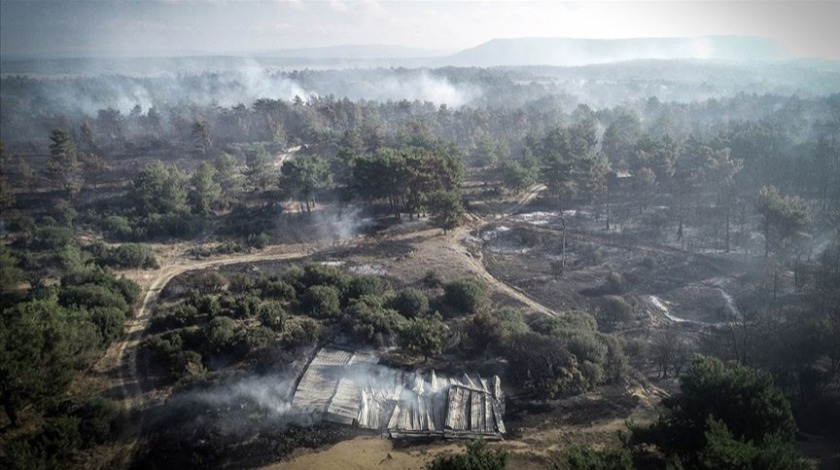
column 649, row 260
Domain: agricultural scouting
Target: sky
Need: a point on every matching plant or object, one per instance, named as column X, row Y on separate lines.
column 126, row 28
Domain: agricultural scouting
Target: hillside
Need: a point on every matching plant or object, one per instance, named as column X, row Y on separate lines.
column 571, row 52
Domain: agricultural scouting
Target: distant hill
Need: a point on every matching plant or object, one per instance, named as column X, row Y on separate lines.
column 573, row 52
column 355, row 52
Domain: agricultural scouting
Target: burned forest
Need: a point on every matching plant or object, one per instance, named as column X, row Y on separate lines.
column 614, row 252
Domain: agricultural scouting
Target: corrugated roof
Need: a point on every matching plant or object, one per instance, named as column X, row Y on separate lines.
column 349, row 388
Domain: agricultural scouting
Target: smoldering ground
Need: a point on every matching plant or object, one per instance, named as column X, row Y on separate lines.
column 242, row 422
column 247, row 420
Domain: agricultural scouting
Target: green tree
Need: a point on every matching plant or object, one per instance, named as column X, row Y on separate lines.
column 63, row 167
column 411, row 302
column 743, row 400
column 205, row 193
column 202, row 145
column 303, row 177
column 620, row 138
column 35, row 367
column 227, row 177
column 321, row 301
column 557, row 168
column 160, row 189
column 423, row 335
column 723, row 450
column 783, row 217
column 446, row 209
column 7, row 196
column 466, row 295
column 518, row 176
column 257, row 168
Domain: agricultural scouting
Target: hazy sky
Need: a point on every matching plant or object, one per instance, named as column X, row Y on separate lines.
column 142, row 27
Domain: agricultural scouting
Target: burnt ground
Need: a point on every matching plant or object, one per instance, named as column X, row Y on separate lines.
column 519, row 257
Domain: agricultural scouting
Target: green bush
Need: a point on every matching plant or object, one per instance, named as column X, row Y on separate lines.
column 279, row 290
column 423, row 335
column 432, row 279
column 300, row 331
column 477, row 457
column 369, row 320
column 321, row 302
column 110, row 321
column 491, row 330
column 186, row 364
column 221, row 334
column 52, row 238
column 543, row 365
column 91, row 295
column 568, row 322
column 585, row 458
column 207, row 304
column 241, row 283
column 466, row 295
column 411, row 302
column 726, row 414
column 615, row 309
column 322, row 274
column 246, row 306
column 129, row 255
column 272, row 315
column 97, row 420
column 118, row 227
column 360, row 286
column 254, row 339
column 182, row 315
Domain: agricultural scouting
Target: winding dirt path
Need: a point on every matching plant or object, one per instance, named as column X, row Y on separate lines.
column 119, row 362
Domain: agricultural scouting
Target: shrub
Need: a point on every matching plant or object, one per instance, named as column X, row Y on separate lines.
column 130, row 255
column 186, row 364
column 206, row 304
column 615, row 309
column 254, row 339
column 110, row 321
column 466, row 295
column 272, row 315
column 118, row 227
column 615, row 283
column 279, row 290
column 567, row 323
column 423, row 335
column 246, row 306
column 491, row 330
column 543, row 365
column 182, row 315
column 411, row 302
column 321, row 302
column 322, row 274
column 369, row 320
column 241, row 283
column 220, row 334
column 91, row 295
column 477, row 457
column 97, row 421
column 585, row 458
column 432, row 279
column 359, row 286
column 52, row 238
column 300, row 331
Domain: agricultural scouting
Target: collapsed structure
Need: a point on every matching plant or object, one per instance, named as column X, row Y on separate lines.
column 351, row 388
